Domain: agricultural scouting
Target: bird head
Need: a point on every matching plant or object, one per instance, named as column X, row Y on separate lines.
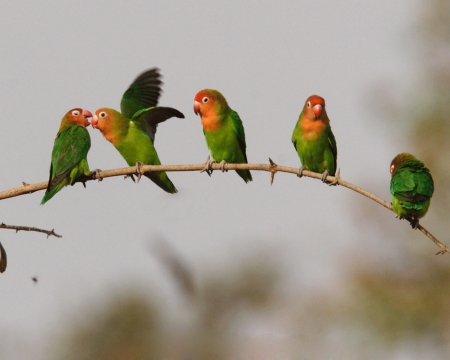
column 398, row 160
column 79, row 116
column 314, row 108
column 209, row 100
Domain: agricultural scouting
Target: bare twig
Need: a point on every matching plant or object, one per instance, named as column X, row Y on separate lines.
column 28, row 228
column 272, row 168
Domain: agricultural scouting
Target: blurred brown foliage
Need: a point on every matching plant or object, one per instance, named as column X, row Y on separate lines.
column 404, row 302
column 131, row 326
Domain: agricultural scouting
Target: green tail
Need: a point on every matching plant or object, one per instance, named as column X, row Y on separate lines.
column 49, row 194
column 245, row 174
column 162, row 180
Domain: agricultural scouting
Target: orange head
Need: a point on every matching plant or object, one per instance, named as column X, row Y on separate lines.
column 110, row 122
column 76, row 116
column 208, row 102
column 314, row 108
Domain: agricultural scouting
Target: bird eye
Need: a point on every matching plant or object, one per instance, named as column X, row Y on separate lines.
column 308, row 104
column 205, row 99
column 102, row 114
column 75, row 113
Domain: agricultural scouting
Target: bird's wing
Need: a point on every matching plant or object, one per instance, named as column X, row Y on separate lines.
column 71, row 146
column 143, row 93
column 148, row 119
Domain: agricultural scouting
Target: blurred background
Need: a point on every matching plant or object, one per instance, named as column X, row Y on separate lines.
column 225, row 269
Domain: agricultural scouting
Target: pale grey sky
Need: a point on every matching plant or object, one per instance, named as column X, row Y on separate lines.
column 266, row 58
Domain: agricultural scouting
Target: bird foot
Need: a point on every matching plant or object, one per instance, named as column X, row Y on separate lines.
column 336, row 178
column 300, row 171
column 324, row 176
column 138, row 170
column 131, row 176
column 414, row 223
column 95, row 174
column 208, row 165
column 222, row 165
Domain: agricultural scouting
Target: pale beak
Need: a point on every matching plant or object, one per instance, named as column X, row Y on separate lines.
column 95, row 122
column 87, row 114
column 317, row 109
column 196, row 107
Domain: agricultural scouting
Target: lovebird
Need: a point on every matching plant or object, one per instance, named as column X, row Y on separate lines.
column 411, row 187
column 223, row 130
column 314, row 141
column 132, row 131
column 69, row 155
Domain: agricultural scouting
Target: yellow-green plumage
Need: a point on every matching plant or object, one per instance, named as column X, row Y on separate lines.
column 132, row 131
column 223, row 130
column 313, row 139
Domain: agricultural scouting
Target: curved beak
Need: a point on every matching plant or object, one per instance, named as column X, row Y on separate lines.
column 87, row 114
column 95, row 122
column 196, row 107
column 317, row 109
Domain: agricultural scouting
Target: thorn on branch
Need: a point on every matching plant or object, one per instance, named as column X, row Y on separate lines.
column 273, row 170
column 25, row 184
column 138, row 170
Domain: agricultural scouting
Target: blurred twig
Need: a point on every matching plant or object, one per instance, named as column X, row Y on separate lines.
column 28, row 228
column 272, row 168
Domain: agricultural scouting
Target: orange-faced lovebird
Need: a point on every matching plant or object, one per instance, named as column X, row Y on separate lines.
column 132, row 131
column 69, row 155
column 314, row 140
column 223, row 130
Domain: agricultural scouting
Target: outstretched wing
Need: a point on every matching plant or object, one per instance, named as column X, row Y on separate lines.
column 143, row 93
column 240, row 134
column 71, row 146
column 148, row 119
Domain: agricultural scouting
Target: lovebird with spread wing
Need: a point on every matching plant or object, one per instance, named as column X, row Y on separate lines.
column 223, row 130
column 313, row 139
column 132, row 131
column 69, row 155
column 411, row 187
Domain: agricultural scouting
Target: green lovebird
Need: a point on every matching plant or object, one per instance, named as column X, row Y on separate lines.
column 3, row 261
column 314, row 140
column 69, row 155
column 411, row 187
column 132, row 131
column 223, row 130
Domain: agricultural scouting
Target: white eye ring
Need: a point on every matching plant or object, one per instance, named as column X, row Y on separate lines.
column 102, row 114
column 308, row 104
column 205, row 99
column 75, row 113
column 392, row 168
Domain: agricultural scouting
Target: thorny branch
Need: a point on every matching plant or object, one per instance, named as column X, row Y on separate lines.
column 272, row 168
column 28, row 228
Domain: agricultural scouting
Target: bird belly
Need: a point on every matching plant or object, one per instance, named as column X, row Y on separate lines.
column 224, row 146
column 138, row 147
column 316, row 155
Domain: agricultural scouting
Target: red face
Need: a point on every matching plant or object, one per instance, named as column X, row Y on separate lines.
column 79, row 116
column 203, row 101
column 314, row 106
